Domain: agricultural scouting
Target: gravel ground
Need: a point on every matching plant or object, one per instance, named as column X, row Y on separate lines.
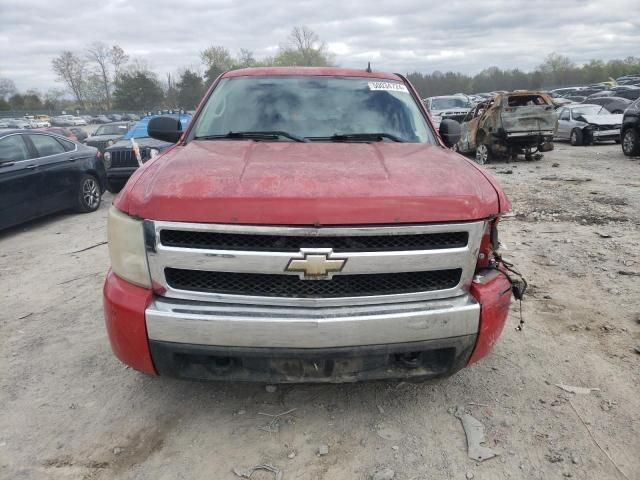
column 70, row 410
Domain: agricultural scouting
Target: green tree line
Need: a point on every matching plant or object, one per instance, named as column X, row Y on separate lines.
column 556, row 71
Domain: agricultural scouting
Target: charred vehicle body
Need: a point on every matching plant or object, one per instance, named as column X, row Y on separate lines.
column 586, row 124
column 106, row 135
column 121, row 159
column 509, row 124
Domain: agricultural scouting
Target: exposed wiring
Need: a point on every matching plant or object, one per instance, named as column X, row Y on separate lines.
column 518, row 286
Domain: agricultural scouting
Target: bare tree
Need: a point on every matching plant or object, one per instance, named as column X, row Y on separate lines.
column 118, row 60
column 303, row 48
column 246, row 58
column 138, row 65
column 71, row 70
column 7, row 88
column 100, row 54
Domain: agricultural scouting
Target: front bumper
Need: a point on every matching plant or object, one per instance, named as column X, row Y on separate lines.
column 120, row 173
column 204, row 340
column 604, row 135
column 250, row 326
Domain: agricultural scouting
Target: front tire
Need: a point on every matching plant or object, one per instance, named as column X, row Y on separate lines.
column 630, row 142
column 482, row 154
column 576, row 137
column 89, row 194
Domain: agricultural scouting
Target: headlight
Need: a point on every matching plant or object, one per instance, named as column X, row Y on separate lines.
column 109, row 142
column 153, row 152
column 107, row 159
column 126, row 248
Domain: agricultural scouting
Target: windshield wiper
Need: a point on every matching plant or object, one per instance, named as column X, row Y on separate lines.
column 346, row 137
column 261, row 135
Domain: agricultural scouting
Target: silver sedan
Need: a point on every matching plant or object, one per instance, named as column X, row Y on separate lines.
column 585, row 124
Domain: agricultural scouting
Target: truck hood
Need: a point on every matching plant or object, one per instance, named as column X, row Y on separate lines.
column 289, row 183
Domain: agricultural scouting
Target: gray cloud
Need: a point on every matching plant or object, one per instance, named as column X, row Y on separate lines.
column 402, row 36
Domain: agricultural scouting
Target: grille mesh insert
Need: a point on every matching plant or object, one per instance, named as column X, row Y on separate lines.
column 291, row 286
column 285, row 243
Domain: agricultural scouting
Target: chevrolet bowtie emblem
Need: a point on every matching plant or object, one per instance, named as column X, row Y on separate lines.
column 316, row 264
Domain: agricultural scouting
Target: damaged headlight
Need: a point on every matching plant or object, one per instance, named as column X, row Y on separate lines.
column 127, row 249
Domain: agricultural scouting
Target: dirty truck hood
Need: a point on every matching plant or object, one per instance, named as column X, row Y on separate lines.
column 290, row 183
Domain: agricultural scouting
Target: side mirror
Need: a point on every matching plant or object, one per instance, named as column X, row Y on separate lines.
column 450, row 132
column 165, row 128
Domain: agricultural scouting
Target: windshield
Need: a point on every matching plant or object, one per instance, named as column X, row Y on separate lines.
column 111, row 130
column 445, row 103
column 313, row 106
column 588, row 110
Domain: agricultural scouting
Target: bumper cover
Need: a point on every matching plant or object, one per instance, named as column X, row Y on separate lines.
column 235, row 325
column 335, row 344
column 415, row 360
column 120, row 173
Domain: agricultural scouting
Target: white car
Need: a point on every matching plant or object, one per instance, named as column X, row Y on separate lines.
column 18, row 123
column 455, row 107
column 77, row 121
column 35, row 123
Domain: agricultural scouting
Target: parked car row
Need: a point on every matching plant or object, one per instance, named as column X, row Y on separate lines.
column 24, row 123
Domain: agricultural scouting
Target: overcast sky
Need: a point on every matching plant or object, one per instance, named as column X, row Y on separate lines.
column 398, row 35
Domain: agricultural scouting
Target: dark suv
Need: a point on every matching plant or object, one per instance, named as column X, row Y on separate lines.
column 120, row 158
column 630, row 132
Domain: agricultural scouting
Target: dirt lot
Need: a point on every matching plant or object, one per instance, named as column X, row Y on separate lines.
column 70, row 410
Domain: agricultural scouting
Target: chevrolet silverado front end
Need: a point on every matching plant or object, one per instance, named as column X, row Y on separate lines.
column 309, row 226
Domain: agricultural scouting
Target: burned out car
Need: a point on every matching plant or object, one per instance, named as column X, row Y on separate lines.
column 121, row 160
column 511, row 123
column 585, row 124
column 106, row 135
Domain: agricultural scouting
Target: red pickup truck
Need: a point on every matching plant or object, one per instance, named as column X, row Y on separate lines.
column 310, row 225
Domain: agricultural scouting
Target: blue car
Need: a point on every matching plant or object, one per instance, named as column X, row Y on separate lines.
column 120, row 158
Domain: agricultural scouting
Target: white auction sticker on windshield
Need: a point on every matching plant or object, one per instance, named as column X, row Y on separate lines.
column 388, row 87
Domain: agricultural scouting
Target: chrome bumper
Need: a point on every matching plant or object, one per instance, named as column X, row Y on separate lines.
column 239, row 325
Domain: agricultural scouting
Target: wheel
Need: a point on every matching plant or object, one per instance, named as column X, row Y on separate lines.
column 114, row 186
column 482, row 154
column 617, row 112
column 630, row 142
column 576, row 137
column 89, row 194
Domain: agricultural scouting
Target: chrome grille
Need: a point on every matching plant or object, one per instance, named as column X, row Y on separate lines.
column 249, row 264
